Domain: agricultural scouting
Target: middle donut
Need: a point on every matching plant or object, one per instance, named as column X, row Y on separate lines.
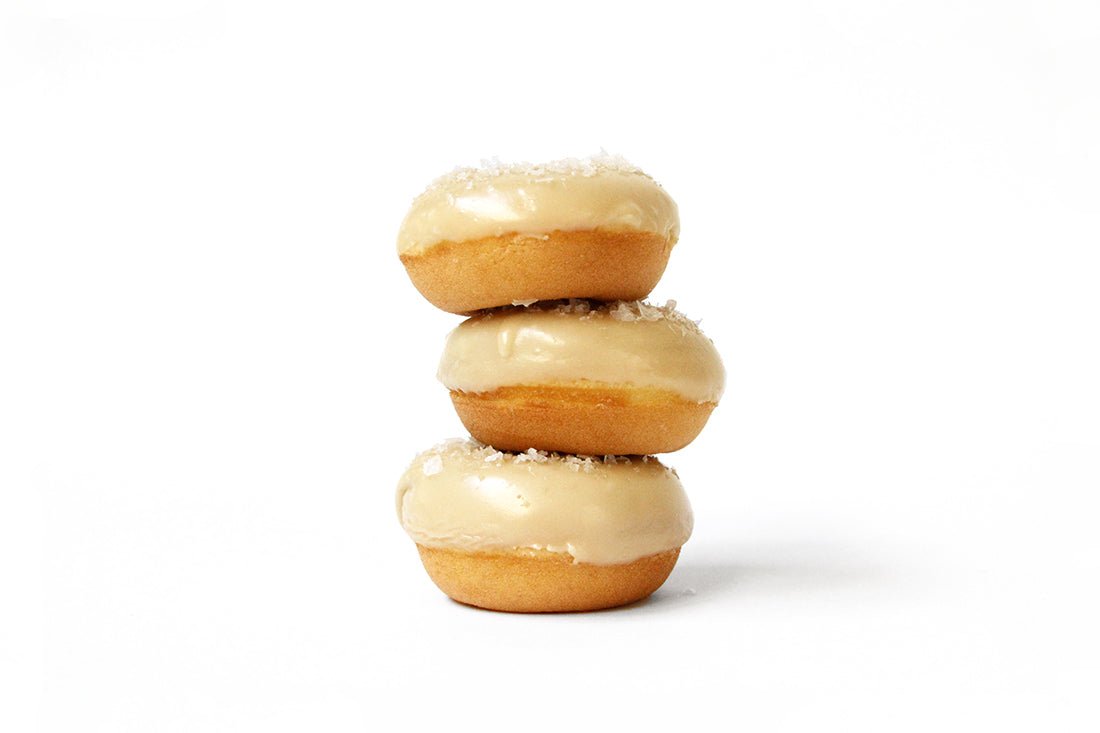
column 583, row 377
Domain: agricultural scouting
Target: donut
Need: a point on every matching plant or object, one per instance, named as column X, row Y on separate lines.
column 583, row 377
column 539, row 532
column 502, row 234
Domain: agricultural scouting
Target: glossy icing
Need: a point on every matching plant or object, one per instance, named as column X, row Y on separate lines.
column 466, row 496
column 624, row 343
column 602, row 192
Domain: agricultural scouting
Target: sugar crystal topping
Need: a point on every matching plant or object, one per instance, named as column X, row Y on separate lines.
column 433, row 459
column 624, row 311
column 602, row 164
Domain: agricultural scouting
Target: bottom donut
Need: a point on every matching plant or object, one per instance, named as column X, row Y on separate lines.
column 543, row 582
column 539, row 532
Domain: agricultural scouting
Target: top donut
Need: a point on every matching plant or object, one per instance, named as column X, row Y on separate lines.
column 596, row 228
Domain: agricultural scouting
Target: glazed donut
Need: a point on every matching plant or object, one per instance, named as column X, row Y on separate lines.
column 541, row 532
column 507, row 234
column 583, row 377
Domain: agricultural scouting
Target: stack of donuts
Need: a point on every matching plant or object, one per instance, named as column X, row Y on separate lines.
column 567, row 380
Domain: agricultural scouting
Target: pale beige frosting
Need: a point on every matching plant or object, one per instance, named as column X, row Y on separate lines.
column 621, row 343
column 603, row 192
column 462, row 495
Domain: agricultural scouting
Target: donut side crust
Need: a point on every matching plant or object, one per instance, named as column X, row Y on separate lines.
column 589, row 420
column 464, row 277
column 536, row 581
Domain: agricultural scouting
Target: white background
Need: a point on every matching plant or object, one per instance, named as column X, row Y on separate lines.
column 215, row 368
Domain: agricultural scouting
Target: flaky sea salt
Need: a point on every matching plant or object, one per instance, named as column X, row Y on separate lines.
column 432, row 465
column 532, row 456
column 432, row 460
column 603, row 163
column 578, row 463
